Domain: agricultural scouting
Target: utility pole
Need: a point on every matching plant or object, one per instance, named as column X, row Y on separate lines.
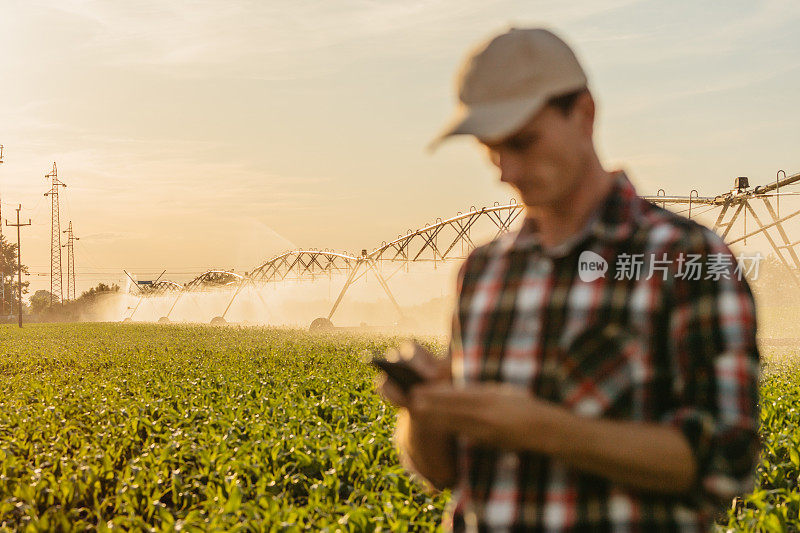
column 19, row 264
column 70, row 261
column 55, row 236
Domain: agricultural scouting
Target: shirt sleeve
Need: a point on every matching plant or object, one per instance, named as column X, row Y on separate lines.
column 715, row 363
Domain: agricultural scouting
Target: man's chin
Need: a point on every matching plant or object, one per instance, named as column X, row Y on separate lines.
column 537, row 200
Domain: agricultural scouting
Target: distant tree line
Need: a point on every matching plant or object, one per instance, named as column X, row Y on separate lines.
column 47, row 307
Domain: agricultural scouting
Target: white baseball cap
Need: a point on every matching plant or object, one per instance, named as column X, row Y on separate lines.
column 506, row 80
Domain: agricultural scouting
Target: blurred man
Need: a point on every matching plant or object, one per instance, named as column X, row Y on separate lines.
column 602, row 372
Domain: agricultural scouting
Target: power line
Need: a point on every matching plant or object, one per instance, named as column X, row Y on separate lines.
column 88, row 256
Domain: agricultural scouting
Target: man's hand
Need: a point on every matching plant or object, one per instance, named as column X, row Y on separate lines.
column 432, row 370
column 497, row 414
column 430, row 452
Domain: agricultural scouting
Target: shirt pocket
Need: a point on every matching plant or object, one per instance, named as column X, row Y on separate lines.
column 594, row 376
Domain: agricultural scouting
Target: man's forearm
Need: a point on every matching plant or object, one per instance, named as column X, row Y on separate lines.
column 649, row 457
column 645, row 456
column 429, row 452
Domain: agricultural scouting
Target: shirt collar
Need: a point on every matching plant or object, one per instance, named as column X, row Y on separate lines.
column 611, row 222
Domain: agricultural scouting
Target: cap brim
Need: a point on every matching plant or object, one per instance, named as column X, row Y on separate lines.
column 492, row 121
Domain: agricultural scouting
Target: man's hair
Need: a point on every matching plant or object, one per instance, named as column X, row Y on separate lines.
column 566, row 102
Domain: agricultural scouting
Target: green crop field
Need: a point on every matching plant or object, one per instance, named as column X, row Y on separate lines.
column 197, row 427
column 220, row 428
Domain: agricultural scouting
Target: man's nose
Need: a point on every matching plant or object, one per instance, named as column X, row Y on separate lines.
column 509, row 167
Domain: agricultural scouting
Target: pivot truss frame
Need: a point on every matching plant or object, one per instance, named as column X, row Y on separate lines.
column 213, row 279
column 435, row 243
column 451, row 240
column 738, row 203
column 438, row 242
column 207, row 281
column 162, row 287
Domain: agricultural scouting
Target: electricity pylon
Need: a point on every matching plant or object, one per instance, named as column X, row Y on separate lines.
column 55, row 236
column 70, row 262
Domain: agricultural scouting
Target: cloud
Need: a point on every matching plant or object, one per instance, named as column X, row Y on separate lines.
column 286, row 39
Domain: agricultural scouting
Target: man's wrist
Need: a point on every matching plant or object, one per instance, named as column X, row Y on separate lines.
column 553, row 430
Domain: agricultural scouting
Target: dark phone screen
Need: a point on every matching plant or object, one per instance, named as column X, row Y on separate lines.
column 400, row 372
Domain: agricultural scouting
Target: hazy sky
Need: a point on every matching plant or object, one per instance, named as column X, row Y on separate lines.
column 194, row 135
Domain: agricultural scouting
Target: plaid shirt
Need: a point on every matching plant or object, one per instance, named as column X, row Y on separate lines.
column 673, row 343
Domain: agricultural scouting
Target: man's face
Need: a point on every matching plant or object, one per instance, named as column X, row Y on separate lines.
column 547, row 158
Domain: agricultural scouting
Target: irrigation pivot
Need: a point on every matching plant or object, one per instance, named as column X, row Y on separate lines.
column 452, row 239
column 739, row 202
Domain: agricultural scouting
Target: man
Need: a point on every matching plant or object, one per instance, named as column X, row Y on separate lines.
column 576, row 398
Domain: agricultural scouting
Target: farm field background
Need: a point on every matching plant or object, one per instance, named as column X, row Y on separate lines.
column 222, row 428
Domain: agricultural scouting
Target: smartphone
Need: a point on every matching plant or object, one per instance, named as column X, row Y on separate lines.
column 399, row 372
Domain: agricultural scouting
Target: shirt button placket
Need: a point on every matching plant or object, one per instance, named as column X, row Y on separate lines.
column 545, row 266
